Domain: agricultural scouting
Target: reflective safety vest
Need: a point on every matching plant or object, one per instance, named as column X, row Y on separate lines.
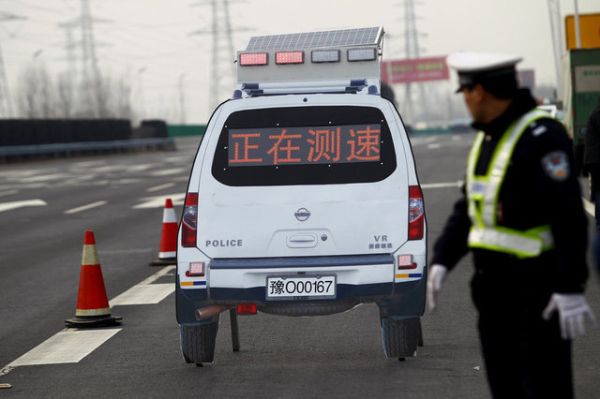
column 482, row 195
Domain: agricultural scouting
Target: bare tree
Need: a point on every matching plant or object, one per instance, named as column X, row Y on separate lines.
column 35, row 94
column 41, row 97
column 66, row 96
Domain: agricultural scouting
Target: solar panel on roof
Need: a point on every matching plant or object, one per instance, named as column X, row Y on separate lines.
column 333, row 38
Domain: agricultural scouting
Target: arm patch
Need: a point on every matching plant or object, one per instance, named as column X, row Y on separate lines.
column 556, row 165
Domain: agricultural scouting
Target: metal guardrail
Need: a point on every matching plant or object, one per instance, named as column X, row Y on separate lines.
column 167, row 143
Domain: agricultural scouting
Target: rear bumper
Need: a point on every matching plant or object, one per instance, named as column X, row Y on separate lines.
column 359, row 279
column 395, row 300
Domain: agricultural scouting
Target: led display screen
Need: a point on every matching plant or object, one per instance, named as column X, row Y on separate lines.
column 304, row 145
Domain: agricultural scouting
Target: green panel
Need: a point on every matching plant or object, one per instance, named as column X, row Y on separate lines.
column 585, row 67
column 186, row 130
column 585, row 56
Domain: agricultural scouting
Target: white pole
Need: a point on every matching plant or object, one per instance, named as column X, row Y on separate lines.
column 556, row 44
column 577, row 32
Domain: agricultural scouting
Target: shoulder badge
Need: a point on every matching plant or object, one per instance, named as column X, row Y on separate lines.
column 556, row 165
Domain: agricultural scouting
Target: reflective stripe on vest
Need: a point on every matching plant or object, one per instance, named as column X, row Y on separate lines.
column 483, row 191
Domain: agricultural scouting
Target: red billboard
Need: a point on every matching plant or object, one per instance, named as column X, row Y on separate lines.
column 415, row 70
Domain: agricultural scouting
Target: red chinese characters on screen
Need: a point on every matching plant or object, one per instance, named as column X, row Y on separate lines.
column 242, row 155
column 364, row 144
column 305, row 145
column 283, row 149
column 324, row 144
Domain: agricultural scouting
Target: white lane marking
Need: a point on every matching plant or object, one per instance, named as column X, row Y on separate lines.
column 89, row 163
column 71, row 345
column 175, row 159
column 9, row 192
column 434, row 146
column 67, row 346
column 422, row 140
column 128, row 251
column 442, row 185
column 159, row 187
column 23, row 173
column 589, row 207
column 140, row 168
column 162, row 272
column 159, row 201
column 85, row 207
column 7, row 206
column 167, row 172
column 146, row 293
column 127, row 181
column 43, row 178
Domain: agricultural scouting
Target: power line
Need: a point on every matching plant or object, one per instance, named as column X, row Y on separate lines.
column 412, row 50
column 221, row 33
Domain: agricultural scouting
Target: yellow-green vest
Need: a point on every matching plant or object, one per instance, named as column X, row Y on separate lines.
column 482, row 196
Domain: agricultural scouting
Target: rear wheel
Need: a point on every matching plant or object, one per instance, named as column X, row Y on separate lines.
column 400, row 337
column 198, row 343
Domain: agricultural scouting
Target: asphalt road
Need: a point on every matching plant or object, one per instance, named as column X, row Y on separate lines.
column 280, row 357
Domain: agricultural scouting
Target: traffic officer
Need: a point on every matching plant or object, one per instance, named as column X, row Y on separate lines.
column 521, row 216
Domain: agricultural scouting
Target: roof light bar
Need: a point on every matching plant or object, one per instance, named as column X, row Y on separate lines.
column 362, row 54
column 254, row 59
column 319, row 56
column 289, row 57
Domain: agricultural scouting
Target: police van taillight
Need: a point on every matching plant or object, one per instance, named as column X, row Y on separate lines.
column 416, row 213
column 189, row 220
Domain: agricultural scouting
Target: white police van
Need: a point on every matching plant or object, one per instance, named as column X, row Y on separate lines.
column 303, row 198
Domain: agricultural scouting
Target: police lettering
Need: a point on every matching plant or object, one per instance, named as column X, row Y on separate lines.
column 223, row 243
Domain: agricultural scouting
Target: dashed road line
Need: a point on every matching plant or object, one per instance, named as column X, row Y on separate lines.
column 7, row 206
column 167, row 172
column 44, row 178
column 67, row 346
column 146, row 293
column 159, row 201
column 71, row 345
column 90, row 163
column 162, row 272
column 159, row 187
column 85, row 207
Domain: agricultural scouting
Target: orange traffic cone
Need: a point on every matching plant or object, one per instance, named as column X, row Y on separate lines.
column 92, row 309
column 168, row 238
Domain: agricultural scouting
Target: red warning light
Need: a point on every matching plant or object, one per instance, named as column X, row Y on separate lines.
column 289, row 57
column 253, row 59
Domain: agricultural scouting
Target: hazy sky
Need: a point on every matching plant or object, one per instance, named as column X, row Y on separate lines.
column 149, row 41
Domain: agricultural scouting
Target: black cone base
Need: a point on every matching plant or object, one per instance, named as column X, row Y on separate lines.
column 164, row 262
column 93, row 321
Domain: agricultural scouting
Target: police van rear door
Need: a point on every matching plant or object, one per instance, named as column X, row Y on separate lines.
column 313, row 175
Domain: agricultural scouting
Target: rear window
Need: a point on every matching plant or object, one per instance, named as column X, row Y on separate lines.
column 304, row 145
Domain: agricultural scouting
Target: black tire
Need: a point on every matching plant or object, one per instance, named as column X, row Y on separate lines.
column 198, row 342
column 400, row 337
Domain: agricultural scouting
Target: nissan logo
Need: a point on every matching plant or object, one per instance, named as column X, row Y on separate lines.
column 302, row 214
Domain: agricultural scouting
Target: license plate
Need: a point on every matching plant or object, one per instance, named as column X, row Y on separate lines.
column 309, row 287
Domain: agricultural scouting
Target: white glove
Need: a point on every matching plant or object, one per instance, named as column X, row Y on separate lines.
column 573, row 310
column 435, row 279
